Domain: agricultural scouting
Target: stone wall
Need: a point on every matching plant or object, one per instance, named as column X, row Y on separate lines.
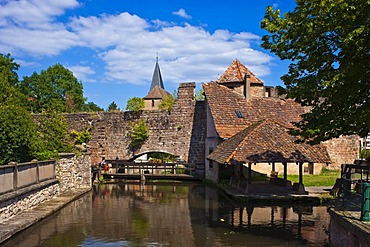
column 343, row 150
column 346, row 230
column 180, row 132
column 71, row 172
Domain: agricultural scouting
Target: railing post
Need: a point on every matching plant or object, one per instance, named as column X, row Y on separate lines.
column 346, row 187
column 365, row 206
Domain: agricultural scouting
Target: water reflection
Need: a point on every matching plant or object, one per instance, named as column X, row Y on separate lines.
column 178, row 214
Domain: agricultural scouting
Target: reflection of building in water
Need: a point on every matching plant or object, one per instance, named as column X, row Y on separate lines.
column 298, row 221
column 153, row 212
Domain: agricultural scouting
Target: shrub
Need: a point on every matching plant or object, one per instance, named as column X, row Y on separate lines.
column 139, row 134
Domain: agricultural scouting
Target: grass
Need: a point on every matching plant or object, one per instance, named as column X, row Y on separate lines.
column 325, row 178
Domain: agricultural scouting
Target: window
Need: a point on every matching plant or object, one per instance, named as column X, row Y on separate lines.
column 152, row 102
column 239, row 114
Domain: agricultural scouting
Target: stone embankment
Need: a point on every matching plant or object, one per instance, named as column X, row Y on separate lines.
column 23, row 204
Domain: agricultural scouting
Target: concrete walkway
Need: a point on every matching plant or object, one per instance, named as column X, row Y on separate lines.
column 27, row 218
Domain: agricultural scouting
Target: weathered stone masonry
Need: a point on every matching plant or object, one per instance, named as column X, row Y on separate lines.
column 72, row 172
column 180, row 132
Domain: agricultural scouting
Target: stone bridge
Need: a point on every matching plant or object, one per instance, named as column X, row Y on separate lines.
column 180, row 132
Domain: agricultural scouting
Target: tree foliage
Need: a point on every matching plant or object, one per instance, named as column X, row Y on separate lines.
column 10, row 95
column 167, row 103
column 54, row 89
column 53, row 132
column 139, row 133
column 92, row 107
column 113, row 107
column 199, row 96
column 135, row 104
column 18, row 136
column 327, row 42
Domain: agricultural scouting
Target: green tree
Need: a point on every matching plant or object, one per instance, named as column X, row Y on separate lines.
column 167, row 103
column 9, row 82
column 18, row 136
column 199, row 96
column 139, row 133
column 113, row 106
column 327, row 43
column 92, row 107
column 54, row 89
column 135, row 104
column 53, row 132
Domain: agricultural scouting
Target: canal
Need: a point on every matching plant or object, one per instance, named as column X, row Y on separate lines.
column 173, row 214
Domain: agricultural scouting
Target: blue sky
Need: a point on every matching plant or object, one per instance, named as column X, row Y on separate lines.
column 111, row 45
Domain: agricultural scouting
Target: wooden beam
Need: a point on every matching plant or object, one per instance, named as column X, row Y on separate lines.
column 249, row 173
column 285, row 164
column 300, row 172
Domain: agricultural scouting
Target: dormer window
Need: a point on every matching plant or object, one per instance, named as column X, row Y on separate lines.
column 239, row 114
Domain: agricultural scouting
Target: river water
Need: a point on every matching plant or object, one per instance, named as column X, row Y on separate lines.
column 173, row 214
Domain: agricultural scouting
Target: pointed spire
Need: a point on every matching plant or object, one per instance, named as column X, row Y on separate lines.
column 157, row 77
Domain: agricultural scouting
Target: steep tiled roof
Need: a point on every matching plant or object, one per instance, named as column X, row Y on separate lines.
column 267, row 141
column 157, row 93
column 224, row 102
column 236, row 73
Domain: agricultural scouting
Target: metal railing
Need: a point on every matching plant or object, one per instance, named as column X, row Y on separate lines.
column 356, row 189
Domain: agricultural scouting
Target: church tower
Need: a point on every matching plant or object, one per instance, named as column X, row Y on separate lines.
column 156, row 92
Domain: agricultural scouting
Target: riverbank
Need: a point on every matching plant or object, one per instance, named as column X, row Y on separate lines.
column 269, row 194
column 27, row 218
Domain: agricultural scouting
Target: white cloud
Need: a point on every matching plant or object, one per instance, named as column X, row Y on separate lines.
column 182, row 13
column 127, row 44
column 82, row 73
column 33, row 12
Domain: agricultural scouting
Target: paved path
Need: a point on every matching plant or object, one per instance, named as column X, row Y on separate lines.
column 25, row 219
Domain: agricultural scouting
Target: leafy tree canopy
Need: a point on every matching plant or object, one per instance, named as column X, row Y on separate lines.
column 92, row 107
column 113, row 106
column 199, row 96
column 167, row 102
column 135, row 104
column 327, row 42
column 9, row 81
column 139, row 133
column 54, row 89
column 18, row 136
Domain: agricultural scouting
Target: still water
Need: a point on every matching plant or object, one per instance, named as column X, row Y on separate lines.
column 173, row 214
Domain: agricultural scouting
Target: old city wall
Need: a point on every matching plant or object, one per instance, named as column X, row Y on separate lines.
column 179, row 132
column 343, row 150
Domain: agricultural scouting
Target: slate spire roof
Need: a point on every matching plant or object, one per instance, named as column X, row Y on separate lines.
column 267, row 141
column 157, row 77
column 236, row 72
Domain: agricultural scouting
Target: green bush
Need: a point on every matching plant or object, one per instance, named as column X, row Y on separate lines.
column 139, row 134
column 18, row 136
column 80, row 137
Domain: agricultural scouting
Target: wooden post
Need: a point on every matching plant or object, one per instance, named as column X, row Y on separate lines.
column 273, row 166
column 301, row 172
column 249, row 173
column 285, row 164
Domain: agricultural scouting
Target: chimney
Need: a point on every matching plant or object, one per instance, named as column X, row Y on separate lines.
column 247, row 86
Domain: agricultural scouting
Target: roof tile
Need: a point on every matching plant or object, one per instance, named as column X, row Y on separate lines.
column 236, row 72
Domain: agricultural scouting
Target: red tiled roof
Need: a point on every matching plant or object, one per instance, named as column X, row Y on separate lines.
column 224, row 102
column 236, row 73
column 157, row 93
column 267, row 141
